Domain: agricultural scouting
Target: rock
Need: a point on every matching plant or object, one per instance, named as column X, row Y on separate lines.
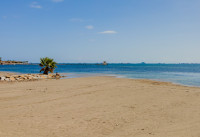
column 3, row 78
column 7, row 79
column 43, row 76
column 58, row 76
column 25, row 77
column 20, row 79
column 12, row 79
column 29, row 77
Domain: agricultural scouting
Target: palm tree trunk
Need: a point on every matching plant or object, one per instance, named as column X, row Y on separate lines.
column 46, row 71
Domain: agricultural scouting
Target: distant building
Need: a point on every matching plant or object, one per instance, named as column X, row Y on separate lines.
column 13, row 62
column 25, row 62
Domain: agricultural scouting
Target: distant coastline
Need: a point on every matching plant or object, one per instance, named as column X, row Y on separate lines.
column 13, row 62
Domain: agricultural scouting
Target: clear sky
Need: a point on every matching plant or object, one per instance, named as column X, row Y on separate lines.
column 132, row 31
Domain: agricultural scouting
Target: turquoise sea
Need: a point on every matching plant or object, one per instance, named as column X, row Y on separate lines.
column 185, row 74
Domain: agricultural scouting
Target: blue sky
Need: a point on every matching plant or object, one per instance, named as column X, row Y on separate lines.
column 132, row 31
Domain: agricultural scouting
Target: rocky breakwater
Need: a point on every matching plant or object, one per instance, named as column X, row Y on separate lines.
column 28, row 77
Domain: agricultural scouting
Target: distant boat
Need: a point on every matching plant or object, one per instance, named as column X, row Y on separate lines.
column 105, row 63
column 142, row 63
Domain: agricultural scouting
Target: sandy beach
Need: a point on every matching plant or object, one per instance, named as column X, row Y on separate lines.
column 98, row 107
column 6, row 73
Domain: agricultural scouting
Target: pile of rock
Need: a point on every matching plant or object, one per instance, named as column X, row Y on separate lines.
column 28, row 77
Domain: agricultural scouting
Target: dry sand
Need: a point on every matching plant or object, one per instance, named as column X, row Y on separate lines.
column 99, row 107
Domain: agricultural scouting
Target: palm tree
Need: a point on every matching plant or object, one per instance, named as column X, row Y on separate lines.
column 48, row 64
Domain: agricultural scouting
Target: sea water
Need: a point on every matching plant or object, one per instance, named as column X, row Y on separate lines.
column 186, row 74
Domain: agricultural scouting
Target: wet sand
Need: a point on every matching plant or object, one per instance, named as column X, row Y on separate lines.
column 98, row 107
column 7, row 73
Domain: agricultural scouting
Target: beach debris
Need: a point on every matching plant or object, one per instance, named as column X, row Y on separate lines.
column 29, row 77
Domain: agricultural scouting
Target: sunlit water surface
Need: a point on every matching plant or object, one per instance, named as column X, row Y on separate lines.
column 186, row 74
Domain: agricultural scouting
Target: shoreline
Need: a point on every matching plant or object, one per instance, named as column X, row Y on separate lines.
column 86, row 75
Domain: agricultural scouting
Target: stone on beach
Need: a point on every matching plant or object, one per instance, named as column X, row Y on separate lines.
column 28, row 77
column 12, row 79
column 3, row 78
column 7, row 79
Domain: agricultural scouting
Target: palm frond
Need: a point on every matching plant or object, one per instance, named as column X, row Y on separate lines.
column 48, row 63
